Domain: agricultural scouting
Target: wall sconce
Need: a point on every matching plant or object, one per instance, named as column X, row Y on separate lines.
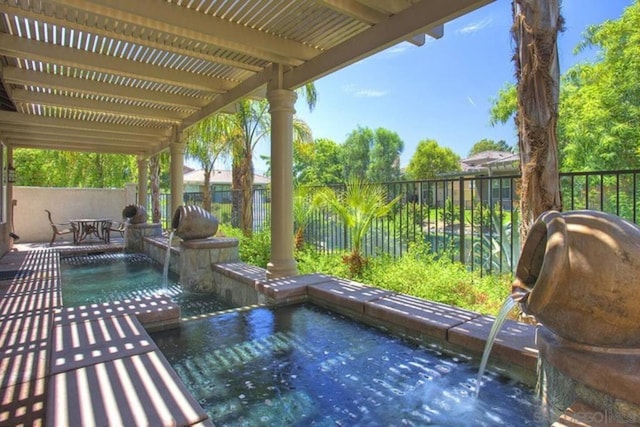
column 11, row 174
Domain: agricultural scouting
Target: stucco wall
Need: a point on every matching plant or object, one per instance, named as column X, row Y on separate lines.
column 30, row 219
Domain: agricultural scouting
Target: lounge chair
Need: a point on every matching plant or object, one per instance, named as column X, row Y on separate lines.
column 61, row 228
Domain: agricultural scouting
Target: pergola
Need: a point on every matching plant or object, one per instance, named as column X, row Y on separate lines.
column 129, row 76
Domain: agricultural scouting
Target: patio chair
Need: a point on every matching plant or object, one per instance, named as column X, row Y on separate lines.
column 118, row 227
column 61, row 228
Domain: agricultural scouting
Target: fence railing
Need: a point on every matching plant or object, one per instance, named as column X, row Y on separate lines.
column 221, row 206
column 474, row 220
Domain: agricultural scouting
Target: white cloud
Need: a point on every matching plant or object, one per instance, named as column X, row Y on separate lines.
column 475, row 26
column 363, row 92
column 369, row 93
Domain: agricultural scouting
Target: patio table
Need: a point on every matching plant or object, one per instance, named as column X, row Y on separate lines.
column 87, row 227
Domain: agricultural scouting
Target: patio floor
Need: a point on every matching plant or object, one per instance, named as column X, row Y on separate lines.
column 85, row 366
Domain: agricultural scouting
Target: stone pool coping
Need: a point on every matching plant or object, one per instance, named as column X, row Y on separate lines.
column 513, row 352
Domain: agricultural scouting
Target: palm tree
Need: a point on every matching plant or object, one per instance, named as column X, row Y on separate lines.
column 154, row 176
column 535, row 30
column 357, row 206
column 252, row 124
column 304, row 207
column 208, row 140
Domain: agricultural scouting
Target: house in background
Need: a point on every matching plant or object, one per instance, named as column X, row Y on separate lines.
column 220, row 184
column 485, row 177
column 500, row 167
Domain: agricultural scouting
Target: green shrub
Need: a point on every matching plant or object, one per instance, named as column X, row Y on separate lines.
column 419, row 272
column 331, row 264
column 254, row 250
column 422, row 274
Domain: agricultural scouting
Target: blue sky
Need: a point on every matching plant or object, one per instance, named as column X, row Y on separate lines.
column 443, row 89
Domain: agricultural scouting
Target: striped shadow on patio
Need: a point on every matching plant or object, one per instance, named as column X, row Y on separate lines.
column 85, row 365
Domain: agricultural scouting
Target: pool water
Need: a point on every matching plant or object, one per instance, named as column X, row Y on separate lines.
column 89, row 279
column 303, row 365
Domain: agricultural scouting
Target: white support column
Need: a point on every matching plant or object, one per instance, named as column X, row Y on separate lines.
column 177, row 148
column 282, row 262
column 143, row 178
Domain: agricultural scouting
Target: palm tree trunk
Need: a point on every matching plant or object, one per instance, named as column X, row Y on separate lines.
column 535, row 30
column 154, row 169
column 236, row 194
column 206, row 191
column 247, row 196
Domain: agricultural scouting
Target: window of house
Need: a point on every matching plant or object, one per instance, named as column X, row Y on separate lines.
column 501, row 189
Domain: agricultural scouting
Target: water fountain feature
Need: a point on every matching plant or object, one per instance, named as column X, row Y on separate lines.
column 167, row 262
column 507, row 306
column 193, row 222
column 125, row 236
column 135, row 214
column 137, row 228
column 579, row 276
column 199, row 249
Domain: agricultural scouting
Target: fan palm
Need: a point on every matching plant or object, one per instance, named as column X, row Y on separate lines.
column 358, row 206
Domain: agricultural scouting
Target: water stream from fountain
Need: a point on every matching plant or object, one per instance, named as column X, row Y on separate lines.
column 508, row 304
column 167, row 260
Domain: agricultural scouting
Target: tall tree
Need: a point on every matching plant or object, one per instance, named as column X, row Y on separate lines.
column 356, row 152
column 535, row 31
column 206, row 141
column 384, row 165
column 430, row 159
column 600, row 101
column 252, row 123
column 317, row 163
column 154, row 177
column 489, row 145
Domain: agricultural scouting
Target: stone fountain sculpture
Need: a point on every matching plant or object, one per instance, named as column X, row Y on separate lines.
column 579, row 276
column 137, row 228
column 135, row 214
column 200, row 250
column 193, row 222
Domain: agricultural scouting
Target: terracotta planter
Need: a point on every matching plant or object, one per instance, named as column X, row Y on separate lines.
column 136, row 214
column 193, row 222
column 579, row 275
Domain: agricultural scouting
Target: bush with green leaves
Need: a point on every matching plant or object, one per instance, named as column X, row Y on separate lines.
column 254, row 250
column 420, row 273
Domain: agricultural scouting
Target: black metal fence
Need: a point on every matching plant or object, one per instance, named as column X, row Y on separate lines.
column 474, row 220
column 221, row 206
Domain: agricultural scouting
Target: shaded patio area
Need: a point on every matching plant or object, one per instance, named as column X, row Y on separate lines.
column 131, row 78
column 82, row 364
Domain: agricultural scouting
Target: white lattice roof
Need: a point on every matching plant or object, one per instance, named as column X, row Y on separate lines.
column 121, row 76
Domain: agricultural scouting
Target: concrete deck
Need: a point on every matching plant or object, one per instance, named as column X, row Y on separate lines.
column 93, row 365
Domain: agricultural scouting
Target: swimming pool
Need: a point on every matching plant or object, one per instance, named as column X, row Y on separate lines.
column 303, row 365
column 88, row 279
